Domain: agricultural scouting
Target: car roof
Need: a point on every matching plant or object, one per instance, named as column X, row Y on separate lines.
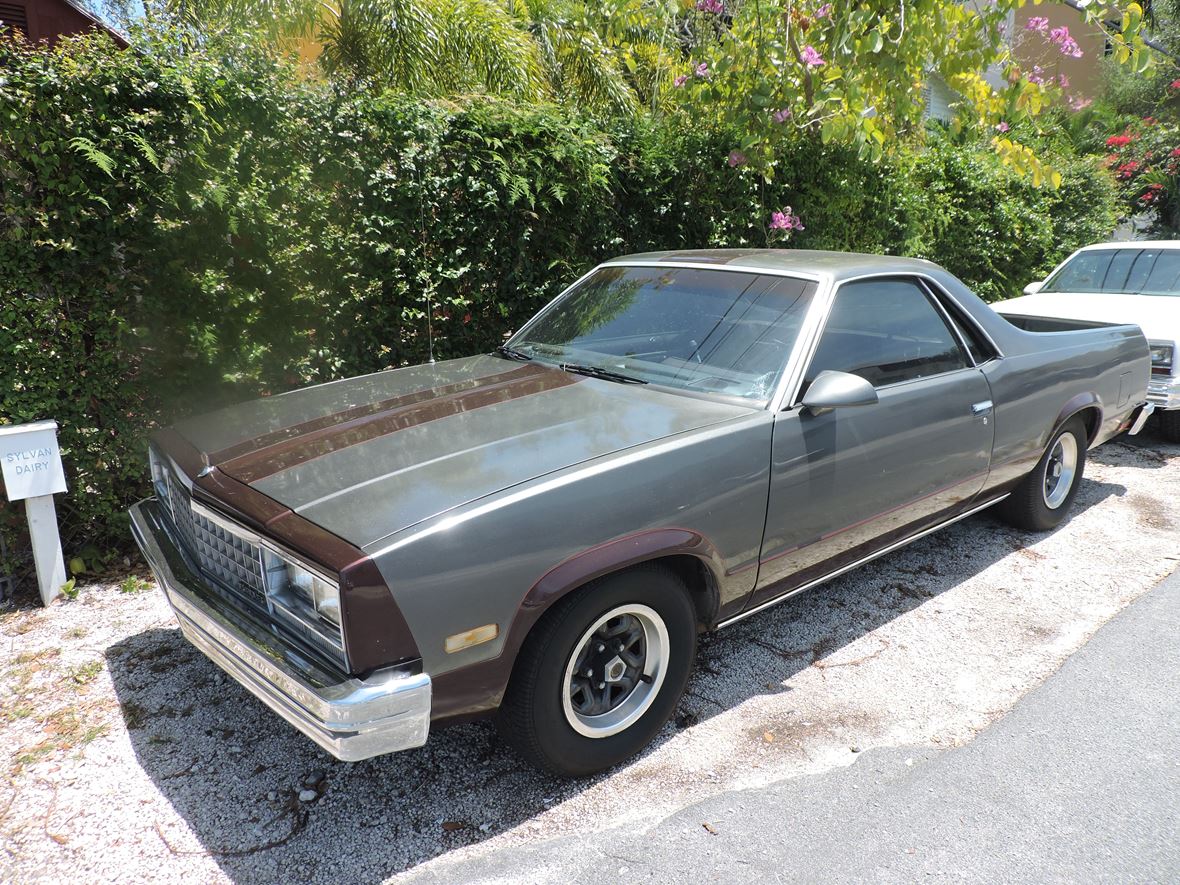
column 1134, row 244
column 807, row 262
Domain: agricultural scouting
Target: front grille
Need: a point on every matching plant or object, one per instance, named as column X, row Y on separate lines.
column 220, row 555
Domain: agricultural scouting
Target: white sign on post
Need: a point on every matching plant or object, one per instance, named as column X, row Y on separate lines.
column 30, row 463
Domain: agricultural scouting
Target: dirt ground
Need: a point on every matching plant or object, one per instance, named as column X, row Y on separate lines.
column 127, row 756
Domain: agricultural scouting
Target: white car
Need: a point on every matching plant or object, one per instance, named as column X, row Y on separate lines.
column 1131, row 282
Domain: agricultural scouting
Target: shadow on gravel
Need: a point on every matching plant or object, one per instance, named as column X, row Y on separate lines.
column 1149, row 449
column 233, row 771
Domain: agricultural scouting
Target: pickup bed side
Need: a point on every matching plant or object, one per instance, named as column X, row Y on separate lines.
column 1044, row 377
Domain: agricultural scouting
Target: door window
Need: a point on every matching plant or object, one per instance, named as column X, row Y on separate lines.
column 886, row 331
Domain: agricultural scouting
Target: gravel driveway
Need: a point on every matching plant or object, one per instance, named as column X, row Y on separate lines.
column 129, row 757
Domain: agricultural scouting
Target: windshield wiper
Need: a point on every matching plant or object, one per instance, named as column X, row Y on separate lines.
column 512, row 353
column 599, row 372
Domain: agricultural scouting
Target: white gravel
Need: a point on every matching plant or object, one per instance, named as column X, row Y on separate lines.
column 129, row 757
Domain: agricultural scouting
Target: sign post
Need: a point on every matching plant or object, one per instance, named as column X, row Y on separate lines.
column 30, row 462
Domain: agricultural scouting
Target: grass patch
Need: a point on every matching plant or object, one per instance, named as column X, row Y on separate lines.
column 86, row 673
column 134, row 584
column 18, row 710
column 66, row 728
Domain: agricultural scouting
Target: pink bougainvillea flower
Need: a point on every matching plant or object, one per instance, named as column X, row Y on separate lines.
column 810, row 57
column 714, row 6
column 1175, row 152
column 1175, row 84
column 1126, row 170
column 736, row 158
column 1037, row 23
column 1066, row 43
column 680, row 81
column 786, row 220
column 1002, row 127
column 823, row 12
column 781, row 115
column 702, row 70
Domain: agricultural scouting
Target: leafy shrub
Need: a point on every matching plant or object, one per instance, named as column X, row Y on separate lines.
column 993, row 229
column 1145, row 159
column 180, row 228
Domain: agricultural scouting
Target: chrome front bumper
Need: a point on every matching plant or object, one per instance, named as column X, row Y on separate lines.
column 1163, row 391
column 351, row 718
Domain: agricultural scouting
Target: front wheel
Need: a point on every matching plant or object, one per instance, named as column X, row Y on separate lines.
column 1042, row 498
column 602, row 672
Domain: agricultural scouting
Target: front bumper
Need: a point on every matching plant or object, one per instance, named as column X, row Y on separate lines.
column 351, row 718
column 1163, row 391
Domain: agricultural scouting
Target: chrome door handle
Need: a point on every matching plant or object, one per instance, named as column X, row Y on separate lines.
column 981, row 408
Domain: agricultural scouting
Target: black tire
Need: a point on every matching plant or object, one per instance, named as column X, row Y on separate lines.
column 1170, row 425
column 538, row 716
column 1031, row 506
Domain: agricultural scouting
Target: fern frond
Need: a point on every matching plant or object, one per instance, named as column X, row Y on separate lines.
column 91, row 152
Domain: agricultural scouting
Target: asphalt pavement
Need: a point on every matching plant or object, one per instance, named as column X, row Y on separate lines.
column 1080, row 782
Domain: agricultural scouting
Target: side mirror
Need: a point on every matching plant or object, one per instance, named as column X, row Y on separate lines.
column 1034, row 288
column 837, row 390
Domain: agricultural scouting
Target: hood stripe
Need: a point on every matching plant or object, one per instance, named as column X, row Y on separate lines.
column 413, row 410
column 256, row 444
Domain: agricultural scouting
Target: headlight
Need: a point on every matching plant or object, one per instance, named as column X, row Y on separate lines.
column 159, row 477
column 1161, row 358
column 307, row 595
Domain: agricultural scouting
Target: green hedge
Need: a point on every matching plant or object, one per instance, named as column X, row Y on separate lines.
column 997, row 232
column 182, row 228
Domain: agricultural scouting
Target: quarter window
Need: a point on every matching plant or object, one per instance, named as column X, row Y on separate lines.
column 886, row 331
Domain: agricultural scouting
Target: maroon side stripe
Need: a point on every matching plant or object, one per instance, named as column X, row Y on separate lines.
column 275, row 437
column 256, row 465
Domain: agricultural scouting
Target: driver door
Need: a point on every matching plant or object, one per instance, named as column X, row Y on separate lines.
column 852, row 480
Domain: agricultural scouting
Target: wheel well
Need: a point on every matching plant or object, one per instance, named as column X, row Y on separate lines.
column 699, row 580
column 1092, row 417
column 696, row 575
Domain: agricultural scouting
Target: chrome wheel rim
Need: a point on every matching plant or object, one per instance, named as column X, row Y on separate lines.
column 615, row 671
column 1060, row 470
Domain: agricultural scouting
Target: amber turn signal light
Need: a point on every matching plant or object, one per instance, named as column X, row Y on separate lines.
column 479, row 635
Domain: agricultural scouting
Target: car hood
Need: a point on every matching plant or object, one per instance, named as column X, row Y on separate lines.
column 1157, row 315
column 368, row 457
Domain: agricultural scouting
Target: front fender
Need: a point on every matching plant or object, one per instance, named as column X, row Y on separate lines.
column 469, row 691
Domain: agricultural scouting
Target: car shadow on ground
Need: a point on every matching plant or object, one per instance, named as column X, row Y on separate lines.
column 233, row 771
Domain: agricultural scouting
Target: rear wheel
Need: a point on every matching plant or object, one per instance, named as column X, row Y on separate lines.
column 1170, row 425
column 602, row 672
column 1042, row 498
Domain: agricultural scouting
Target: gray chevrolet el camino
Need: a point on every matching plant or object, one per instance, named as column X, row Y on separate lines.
column 676, row 442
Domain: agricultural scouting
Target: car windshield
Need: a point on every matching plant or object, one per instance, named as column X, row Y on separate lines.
column 1144, row 271
column 713, row 331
